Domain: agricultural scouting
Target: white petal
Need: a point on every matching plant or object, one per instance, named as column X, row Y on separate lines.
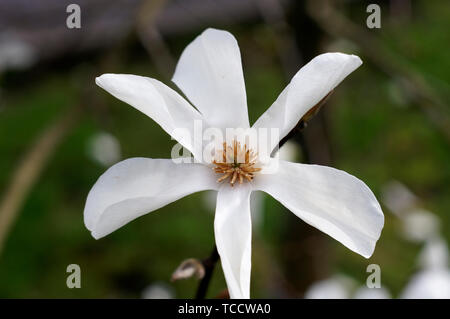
column 331, row 200
column 209, row 73
column 137, row 186
column 153, row 98
column 310, row 85
column 233, row 232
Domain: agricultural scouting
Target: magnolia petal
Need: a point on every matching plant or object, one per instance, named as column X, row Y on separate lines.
column 307, row 88
column 209, row 73
column 233, row 232
column 331, row 200
column 156, row 100
column 137, row 186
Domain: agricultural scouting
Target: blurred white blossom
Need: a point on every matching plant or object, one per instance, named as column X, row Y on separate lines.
column 343, row 287
column 158, row 290
column 256, row 206
column 433, row 281
column 336, row 287
column 428, row 284
column 420, row 225
column 210, row 74
column 15, row 53
column 397, row 197
column 365, row 292
column 434, row 255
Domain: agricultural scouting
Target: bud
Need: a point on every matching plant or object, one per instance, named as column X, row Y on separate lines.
column 188, row 268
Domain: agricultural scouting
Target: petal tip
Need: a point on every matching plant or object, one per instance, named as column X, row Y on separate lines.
column 357, row 60
column 211, row 34
column 214, row 30
column 99, row 80
column 368, row 254
column 96, row 235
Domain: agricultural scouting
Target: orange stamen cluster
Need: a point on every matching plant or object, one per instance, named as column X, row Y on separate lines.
column 236, row 163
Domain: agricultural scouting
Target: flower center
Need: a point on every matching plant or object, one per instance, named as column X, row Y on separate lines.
column 236, row 163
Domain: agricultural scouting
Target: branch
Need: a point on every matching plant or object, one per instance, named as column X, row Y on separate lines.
column 152, row 40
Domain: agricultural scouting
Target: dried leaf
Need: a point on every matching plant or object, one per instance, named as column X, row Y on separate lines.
column 315, row 109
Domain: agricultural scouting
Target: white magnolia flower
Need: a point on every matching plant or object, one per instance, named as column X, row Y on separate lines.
column 209, row 73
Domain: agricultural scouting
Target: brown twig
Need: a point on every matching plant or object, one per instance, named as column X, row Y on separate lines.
column 209, row 264
column 151, row 39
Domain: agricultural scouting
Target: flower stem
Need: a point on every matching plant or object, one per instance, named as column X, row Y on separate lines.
column 209, row 264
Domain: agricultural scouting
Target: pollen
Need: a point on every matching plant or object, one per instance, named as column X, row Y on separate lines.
column 236, row 163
